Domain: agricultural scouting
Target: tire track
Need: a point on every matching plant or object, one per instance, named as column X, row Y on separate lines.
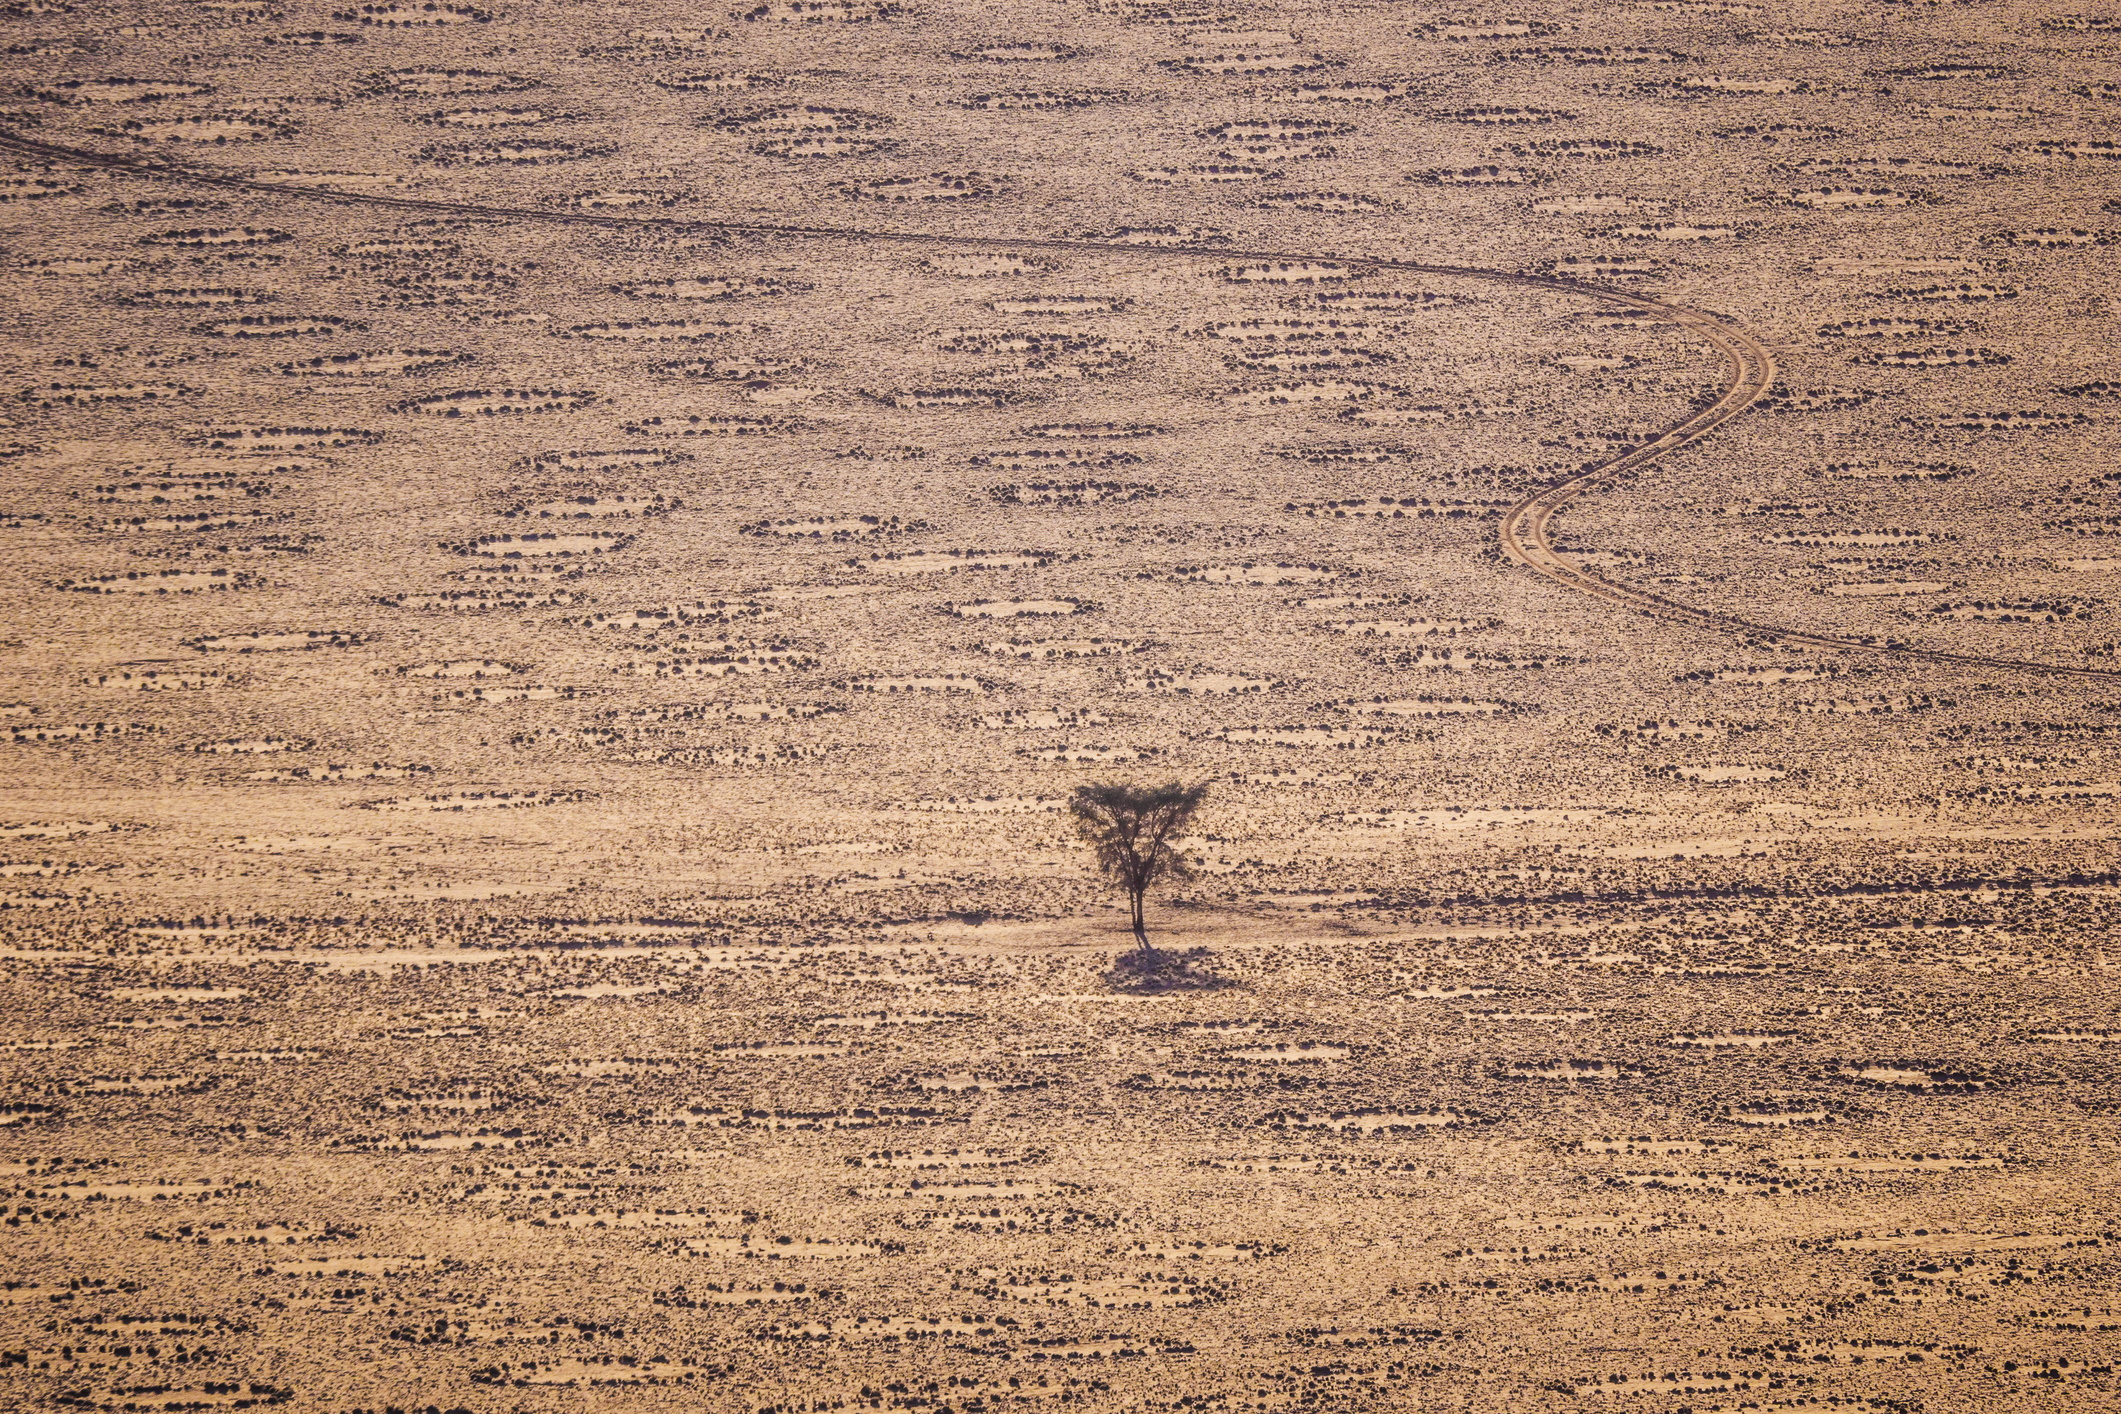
column 1526, row 532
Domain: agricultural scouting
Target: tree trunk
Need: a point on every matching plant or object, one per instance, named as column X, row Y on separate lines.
column 1141, row 931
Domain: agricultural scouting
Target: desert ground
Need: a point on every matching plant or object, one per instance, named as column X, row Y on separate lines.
column 563, row 562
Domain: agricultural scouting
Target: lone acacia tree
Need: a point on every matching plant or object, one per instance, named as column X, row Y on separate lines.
column 1130, row 829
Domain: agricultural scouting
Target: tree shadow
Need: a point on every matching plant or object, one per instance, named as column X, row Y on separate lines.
column 1142, row 972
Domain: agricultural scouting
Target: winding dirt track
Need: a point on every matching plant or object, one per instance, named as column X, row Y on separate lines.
column 1526, row 531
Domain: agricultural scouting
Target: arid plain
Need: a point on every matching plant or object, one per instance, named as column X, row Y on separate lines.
column 562, row 562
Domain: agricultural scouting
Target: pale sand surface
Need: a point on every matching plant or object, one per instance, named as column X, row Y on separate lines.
column 563, row 561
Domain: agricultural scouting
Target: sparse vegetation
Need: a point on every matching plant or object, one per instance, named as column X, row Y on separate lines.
column 565, row 575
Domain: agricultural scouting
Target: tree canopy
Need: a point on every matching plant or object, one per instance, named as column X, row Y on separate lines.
column 1131, row 829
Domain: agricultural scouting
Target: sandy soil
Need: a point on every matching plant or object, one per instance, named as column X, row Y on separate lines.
column 563, row 563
